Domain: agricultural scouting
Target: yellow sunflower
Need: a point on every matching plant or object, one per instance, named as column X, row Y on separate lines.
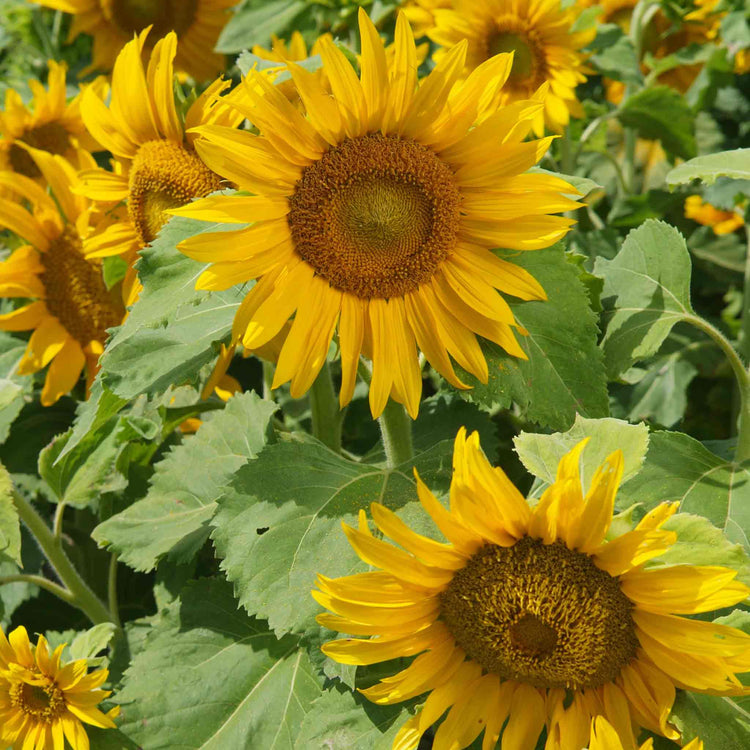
column 532, row 614
column 44, row 702
column 50, row 123
column 545, row 49
column 72, row 307
column 605, row 737
column 155, row 165
column 112, row 23
column 421, row 14
column 374, row 214
column 722, row 222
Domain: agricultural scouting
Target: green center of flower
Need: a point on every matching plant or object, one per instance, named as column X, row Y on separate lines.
column 376, row 215
column 541, row 614
column 51, row 137
column 165, row 175
column 41, row 703
column 164, row 15
column 512, row 34
column 75, row 291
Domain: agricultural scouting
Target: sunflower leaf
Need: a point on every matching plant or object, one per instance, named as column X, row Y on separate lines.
column 646, row 292
column 564, row 373
column 708, row 168
column 678, row 468
column 279, row 523
column 541, row 454
column 173, row 517
column 254, row 24
column 172, row 330
column 217, row 679
column 10, row 527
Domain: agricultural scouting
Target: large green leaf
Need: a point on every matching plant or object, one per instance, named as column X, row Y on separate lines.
column 216, row 680
column 279, row 524
column 678, row 468
column 254, row 24
column 339, row 721
column 564, row 374
column 661, row 113
column 13, row 388
column 646, row 291
column 172, row 330
column 10, row 528
column 541, row 454
column 173, row 517
column 735, row 164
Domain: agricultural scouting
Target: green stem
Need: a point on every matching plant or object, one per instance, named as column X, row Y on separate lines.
column 631, row 137
column 326, row 416
column 76, row 590
column 567, row 159
column 745, row 330
column 743, row 383
column 395, row 427
column 40, row 581
column 114, row 606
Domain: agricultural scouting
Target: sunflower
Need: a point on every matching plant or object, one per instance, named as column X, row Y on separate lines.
column 545, row 49
column 43, row 702
column 50, row 124
column 604, row 737
column 72, row 307
column 421, row 14
column 532, row 614
column 722, row 222
column 375, row 212
column 155, row 165
column 112, row 23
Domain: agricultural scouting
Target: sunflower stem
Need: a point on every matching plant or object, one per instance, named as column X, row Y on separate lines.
column 743, row 383
column 76, row 590
column 326, row 416
column 395, row 427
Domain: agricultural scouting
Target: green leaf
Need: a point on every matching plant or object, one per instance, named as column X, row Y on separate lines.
column 541, row 454
column 88, row 644
column 173, row 517
column 661, row 113
column 82, row 475
column 10, row 527
column 735, row 164
column 247, row 61
column 646, row 291
column 172, row 330
column 254, row 24
column 678, row 468
column 699, row 542
column 564, row 374
column 13, row 388
column 279, row 524
column 339, row 721
column 217, row 679
column 618, row 59
column 722, row 723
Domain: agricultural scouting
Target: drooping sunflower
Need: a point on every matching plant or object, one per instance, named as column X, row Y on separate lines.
column 44, row 702
column 532, row 614
column 72, row 307
column 605, row 737
column 155, row 165
column 50, row 123
column 539, row 33
column 722, row 222
column 374, row 215
column 112, row 23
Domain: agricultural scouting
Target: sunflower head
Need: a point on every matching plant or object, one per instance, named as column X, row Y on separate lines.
column 43, row 702
column 49, row 123
column 722, row 222
column 71, row 307
column 373, row 212
column 532, row 614
column 538, row 34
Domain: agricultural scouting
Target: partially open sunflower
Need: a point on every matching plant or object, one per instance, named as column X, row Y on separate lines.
column 532, row 615
column 373, row 215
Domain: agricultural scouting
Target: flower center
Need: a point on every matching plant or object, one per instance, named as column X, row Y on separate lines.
column 165, row 15
column 541, row 614
column 75, row 291
column 165, row 175
column 529, row 65
column 43, row 703
column 51, row 137
column 376, row 215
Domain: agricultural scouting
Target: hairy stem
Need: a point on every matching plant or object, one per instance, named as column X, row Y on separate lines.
column 326, row 416
column 395, row 427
